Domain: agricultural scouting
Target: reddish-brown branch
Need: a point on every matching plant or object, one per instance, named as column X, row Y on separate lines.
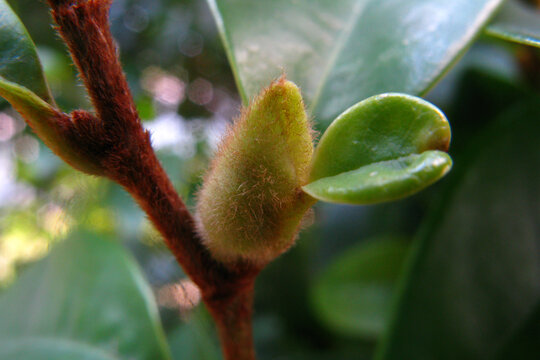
column 233, row 317
column 84, row 26
column 115, row 142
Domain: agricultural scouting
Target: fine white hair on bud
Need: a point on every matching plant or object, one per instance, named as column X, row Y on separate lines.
column 251, row 204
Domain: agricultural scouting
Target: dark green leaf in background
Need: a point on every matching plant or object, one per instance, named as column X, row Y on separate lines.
column 195, row 339
column 340, row 52
column 87, row 300
column 19, row 62
column 474, row 278
column 50, row 349
column 383, row 148
column 353, row 295
column 517, row 22
column 525, row 341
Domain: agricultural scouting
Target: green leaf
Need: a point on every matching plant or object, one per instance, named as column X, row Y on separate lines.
column 382, row 181
column 517, row 22
column 353, row 295
column 45, row 120
column 473, row 278
column 381, row 149
column 342, row 51
column 195, row 339
column 87, row 297
column 39, row 114
column 382, row 127
column 19, row 62
column 525, row 342
column 49, row 349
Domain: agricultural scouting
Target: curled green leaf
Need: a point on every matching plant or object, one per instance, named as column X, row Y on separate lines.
column 384, row 148
column 382, row 181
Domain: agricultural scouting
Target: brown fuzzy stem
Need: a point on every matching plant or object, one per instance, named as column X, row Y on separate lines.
column 232, row 314
column 115, row 142
column 84, row 26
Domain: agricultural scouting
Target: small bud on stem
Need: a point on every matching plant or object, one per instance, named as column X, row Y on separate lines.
column 251, row 205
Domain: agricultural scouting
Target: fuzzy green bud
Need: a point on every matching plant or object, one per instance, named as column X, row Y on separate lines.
column 251, row 203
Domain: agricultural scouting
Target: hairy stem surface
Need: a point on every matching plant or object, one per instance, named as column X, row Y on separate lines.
column 116, row 142
column 232, row 314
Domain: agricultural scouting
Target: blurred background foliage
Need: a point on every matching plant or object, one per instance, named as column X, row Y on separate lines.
column 330, row 296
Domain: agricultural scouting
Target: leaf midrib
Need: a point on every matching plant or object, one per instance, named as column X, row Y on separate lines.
column 343, row 38
column 227, row 44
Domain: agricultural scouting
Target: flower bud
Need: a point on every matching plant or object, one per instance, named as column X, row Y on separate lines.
column 251, row 204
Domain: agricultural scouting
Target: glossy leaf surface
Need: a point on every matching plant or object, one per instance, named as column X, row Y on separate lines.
column 87, row 298
column 382, row 181
column 473, row 280
column 517, row 22
column 343, row 51
column 19, row 62
column 378, row 150
column 353, row 295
